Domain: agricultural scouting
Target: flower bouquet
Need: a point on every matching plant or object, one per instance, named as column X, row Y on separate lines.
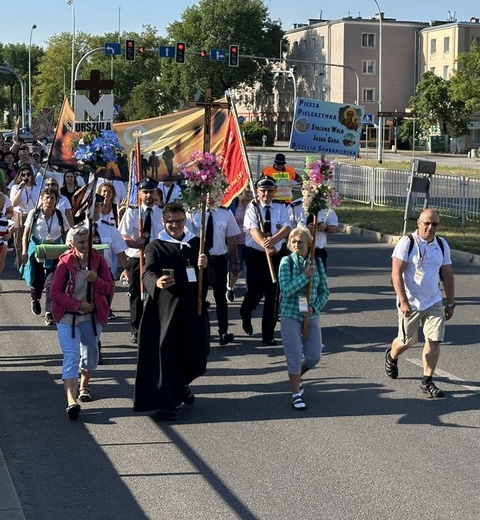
column 203, row 175
column 96, row 149
column 317, row 190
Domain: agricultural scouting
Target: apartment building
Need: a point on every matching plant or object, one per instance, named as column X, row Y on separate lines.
column 339, row 61
column 440, row 47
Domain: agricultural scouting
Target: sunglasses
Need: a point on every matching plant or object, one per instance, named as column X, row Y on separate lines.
column 25, row 174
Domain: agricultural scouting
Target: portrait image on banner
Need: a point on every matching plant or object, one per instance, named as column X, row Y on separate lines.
column 326, row 128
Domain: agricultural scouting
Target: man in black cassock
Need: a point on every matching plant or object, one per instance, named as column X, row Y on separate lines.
column 173, row 340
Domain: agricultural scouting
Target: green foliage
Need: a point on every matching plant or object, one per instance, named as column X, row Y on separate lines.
column 152, row 86
column 15, row 56
column 466, row 81
column 434, row 104
column 254, row 131
column 217, row 24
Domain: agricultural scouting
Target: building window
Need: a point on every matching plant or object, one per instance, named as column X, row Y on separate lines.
column 476, row 39
column 295, row 46
column 446, row 44
column 368, row 40
column 433, row 46
column 445, row 72
column 368, row 66
column 475, row 136
column 368, row 95
column 304, row 45
column 432, row 70
column 321, row 42
column 314, row 44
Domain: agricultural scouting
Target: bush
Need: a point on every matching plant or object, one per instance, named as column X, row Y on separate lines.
column 253, row 132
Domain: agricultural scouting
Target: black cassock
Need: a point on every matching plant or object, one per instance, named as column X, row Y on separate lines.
column 173, row 340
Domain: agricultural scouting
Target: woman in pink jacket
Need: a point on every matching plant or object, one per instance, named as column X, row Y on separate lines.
column 80, row 309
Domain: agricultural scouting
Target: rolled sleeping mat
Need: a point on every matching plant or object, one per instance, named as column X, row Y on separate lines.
column 53, row 251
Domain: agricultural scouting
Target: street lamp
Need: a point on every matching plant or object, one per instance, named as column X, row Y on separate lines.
column 30, row 77
column 72, row 77
column 380, row 119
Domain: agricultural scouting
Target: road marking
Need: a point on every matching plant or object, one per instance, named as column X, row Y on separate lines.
column 442, row 373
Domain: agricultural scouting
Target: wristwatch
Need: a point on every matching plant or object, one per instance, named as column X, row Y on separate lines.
column 450, row 305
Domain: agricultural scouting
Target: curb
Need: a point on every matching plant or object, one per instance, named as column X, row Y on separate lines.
column 378, row 236
column 10, row 506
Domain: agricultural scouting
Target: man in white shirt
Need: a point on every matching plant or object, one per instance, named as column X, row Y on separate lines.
column 418, row 262
column 259, row 244
column 221, row 230
column 152, row 224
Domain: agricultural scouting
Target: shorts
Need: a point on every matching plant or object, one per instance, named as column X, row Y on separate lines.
column 432, row 321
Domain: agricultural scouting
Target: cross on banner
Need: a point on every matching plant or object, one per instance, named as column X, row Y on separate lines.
column 208, row 104
column 94, row 85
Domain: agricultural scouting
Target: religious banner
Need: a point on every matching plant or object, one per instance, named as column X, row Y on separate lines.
column 233, row 164
column 326, row 128
column 61, row 152
column 182, row 132
column 43, row 125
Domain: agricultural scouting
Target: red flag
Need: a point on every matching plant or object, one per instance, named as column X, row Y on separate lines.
column 233, row 164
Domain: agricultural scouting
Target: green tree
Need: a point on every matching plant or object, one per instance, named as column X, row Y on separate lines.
column 216, row 24
column 434, row 104
column 15, row 56
column 465, row 83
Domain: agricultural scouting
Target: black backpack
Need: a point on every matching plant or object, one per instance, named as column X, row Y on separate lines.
column 439, row 242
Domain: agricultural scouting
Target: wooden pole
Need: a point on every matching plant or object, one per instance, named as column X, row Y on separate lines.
column 138, row 165
column 255, row 202
column 200, row 268
column 309, row 287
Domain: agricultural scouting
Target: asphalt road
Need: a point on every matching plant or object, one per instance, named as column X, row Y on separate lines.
column 367, row 447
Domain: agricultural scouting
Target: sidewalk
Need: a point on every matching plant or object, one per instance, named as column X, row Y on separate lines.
column 10, row 507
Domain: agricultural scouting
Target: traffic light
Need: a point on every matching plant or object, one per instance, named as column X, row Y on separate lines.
column 129, row 50
column 203, row 54
column 141, row 50
column 180, row 49
column 233, row 56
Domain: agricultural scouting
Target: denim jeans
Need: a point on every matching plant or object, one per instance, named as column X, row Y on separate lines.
column 80, row 352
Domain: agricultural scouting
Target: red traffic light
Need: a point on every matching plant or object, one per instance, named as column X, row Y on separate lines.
column 233, row 56
column 180, row 48
column 129, row 50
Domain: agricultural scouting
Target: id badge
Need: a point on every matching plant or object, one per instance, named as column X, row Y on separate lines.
column 303, row 305
column 418, row 276
column 191, row 274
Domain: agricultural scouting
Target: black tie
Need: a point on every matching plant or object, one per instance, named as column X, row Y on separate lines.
column 96, row 235
column 209, row 233
column 147, row 226
column 267, row 226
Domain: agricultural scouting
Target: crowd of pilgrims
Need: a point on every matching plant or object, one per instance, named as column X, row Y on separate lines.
column 154, row 248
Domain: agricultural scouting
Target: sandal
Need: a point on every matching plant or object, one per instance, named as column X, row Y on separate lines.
column 297, row 402
column 72, row 411
column 84, row 396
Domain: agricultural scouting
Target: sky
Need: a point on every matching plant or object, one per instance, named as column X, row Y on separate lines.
column 100, row 16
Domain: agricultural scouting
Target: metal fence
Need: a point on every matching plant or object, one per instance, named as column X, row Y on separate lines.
column 450, row 195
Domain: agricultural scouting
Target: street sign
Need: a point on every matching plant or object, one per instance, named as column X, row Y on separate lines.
column 241, row 119
column 112, row 49
column 368, row 119
column 116, row 110
column 218, row 54
column 166, row 51
column 396, row 114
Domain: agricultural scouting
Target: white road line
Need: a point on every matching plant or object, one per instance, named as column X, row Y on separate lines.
column 442, row 373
